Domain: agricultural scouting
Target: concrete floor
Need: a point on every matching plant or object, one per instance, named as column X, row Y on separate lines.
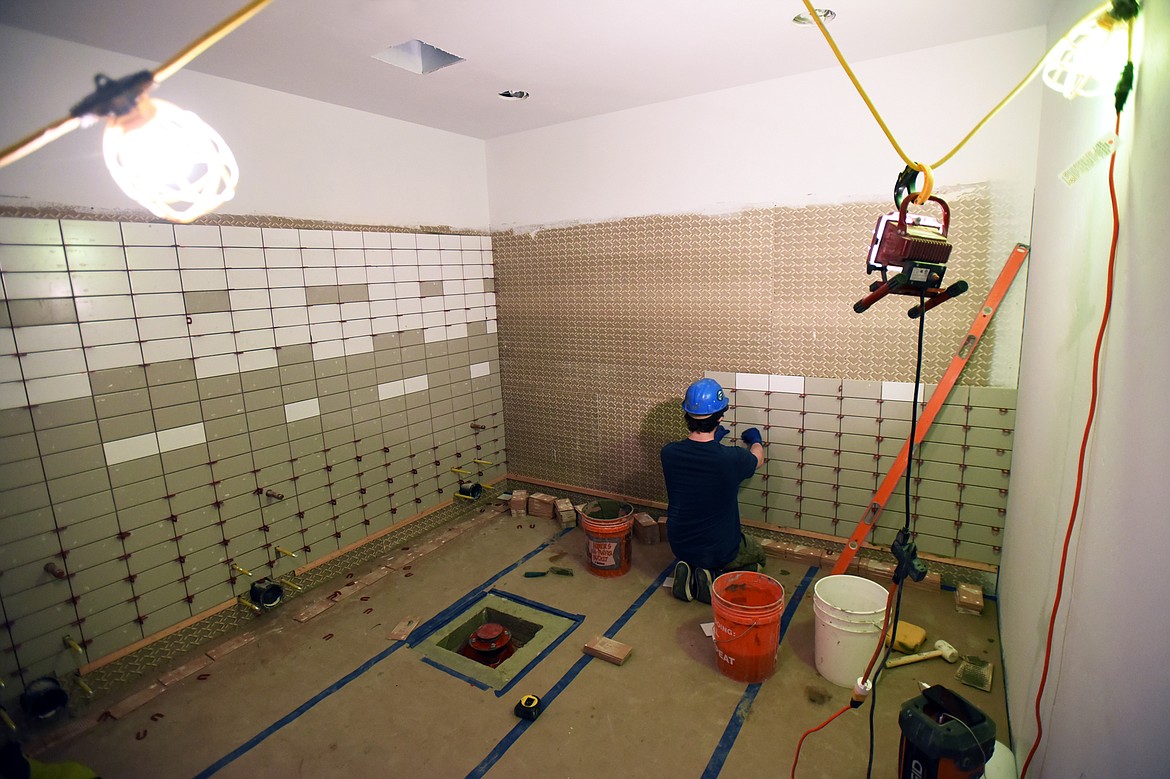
column 333, row 696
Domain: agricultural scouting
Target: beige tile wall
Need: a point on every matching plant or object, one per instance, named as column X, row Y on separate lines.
column 158, row 381
column 604, row 325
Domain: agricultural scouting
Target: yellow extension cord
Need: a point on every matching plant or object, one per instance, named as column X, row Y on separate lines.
column 928, row 170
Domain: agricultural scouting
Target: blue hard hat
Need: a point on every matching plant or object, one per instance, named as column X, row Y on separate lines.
column 704, row 397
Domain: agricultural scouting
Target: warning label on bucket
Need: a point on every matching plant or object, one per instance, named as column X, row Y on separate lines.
column 605, row 554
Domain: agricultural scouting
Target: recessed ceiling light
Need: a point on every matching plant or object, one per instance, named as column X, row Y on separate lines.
column 513, row 94
column 827, row 15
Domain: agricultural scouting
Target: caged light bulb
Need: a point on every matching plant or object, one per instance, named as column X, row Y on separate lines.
column 170, row 161
column 1088, row 60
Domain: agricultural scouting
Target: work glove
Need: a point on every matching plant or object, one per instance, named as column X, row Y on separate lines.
column 721, row 432
column 751, row 436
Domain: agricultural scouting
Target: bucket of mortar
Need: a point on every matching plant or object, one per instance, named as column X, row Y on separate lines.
column 747, row 608
column 849, row 611
column 609, row 528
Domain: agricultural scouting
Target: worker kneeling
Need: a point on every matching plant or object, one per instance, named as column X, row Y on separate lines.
column 702, row 485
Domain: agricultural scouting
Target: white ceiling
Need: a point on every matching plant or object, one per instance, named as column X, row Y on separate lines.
column 577, row 59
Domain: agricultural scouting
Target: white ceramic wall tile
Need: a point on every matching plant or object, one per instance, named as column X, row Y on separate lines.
column 790, row 384
column 476, row 314
column 325, row 350
column 302, row 409
column 355, row 310
column 99, row 358
column 434, row 303
column 350, row 258
column 24, row 286
column 433, row 319
column 12, row 395
column 480, row 369
column 241, row 236
column 391, row 389
column 57, row 388
column 163, row 351
column 257, row 360
column 281, row 236
column 449, row 241
column 429, row 257
column 179, row 437
column 128, row 449
column 201, row 257
column 244, row 299
column 316, row 239
column 410, row 321
column 406, row 273
column 148, row 281
column 206, row 324
column 325, row 331
column 355, row 328
column 485, row 242
column 453, row 272
column 409, row 306
column 159, row 328
column 44, row 338
column 450, row 257
column 897, row 390
column 236, row 257
column 197, row 235
column 59, row 362
column 751, row 381
column 158, row 304
column 251, row 340
column 293, row 296
column 286, row 277
column 491, row 325
column 106, row 307
column 347, row 239
column 151, row 258
column 283, row 258
column 320, row 277
column 407, row 289
column 415, row 384
column 287, row 317
column 252, row 320
column 402, row 240
column 457, row 317
column 456, row 331
column 291, row 336
column 351, row 275
column 372, row 240
column 382, row 292
column 31, row 259
column 363, row 344
column 379, row 258
column 383, row 308
column 18, row 230
column 90, row 283
column 454, row 287
column 404, row 258
column 430, row 273
column 218, row 343
column 327, row 312
column 384, row 324
column 148, row 234
column 318, row 258
column 114, row 331
column 216, row 365
column 95, row 257
column 203, row 279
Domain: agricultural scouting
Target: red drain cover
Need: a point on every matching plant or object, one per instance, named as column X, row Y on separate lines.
column 490, row 645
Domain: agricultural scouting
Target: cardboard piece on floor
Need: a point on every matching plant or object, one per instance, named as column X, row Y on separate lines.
column 708, row 629
column 230, row 645
column 185, row 670
column 608, row 650
column 402, row 630
column 135, row 701
column 313, row 610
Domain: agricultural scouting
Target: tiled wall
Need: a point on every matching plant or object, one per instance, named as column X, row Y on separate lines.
column 831, row 443
column 157, row 382
column 604, row 325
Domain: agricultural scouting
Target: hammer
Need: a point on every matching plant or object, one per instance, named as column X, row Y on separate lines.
column 941, row 649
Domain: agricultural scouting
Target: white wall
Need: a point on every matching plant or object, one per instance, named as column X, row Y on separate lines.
column 1108, row 692
column 792, row 141
column 298, row 158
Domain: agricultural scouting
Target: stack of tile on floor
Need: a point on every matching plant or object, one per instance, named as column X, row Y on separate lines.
column 566, row 513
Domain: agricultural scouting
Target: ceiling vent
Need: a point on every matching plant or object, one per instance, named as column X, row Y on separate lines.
column 417, row 57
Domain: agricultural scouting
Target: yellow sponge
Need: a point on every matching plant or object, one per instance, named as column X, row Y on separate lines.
column 908, row 638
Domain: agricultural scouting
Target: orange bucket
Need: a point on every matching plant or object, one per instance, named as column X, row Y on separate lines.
column 609, row 530
column 747, row 609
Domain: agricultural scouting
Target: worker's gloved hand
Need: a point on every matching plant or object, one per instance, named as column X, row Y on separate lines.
column 751, row 436
column 721, row 432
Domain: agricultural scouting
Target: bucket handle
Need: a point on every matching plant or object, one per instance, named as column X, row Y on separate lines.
column 737, row 638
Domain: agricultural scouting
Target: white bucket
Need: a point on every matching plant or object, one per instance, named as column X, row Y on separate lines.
column 849, row 612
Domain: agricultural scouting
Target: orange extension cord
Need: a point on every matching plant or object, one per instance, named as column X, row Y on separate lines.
column 1084, row 447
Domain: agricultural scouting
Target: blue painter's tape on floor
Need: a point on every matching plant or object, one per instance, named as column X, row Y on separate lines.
column 253, row 742
column 521, row 726
column 456, row 674
column 433, row 624
column 731, row 732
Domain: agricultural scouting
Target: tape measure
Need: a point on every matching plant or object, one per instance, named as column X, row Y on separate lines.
column 528, row 708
